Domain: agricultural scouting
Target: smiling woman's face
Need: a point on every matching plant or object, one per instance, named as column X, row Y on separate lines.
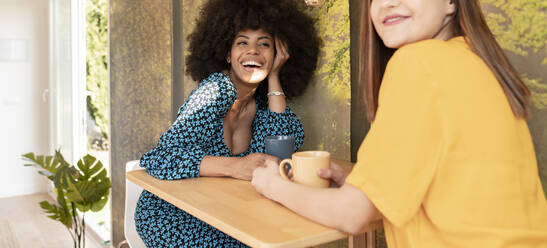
column 400, row 22
column 251, row 56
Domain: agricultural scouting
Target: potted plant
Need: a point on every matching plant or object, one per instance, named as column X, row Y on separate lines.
column 79, row 189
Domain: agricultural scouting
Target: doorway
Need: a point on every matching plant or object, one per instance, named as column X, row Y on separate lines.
column 79, row 89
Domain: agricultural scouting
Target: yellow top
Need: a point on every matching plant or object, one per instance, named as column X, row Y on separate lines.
column 446, row 162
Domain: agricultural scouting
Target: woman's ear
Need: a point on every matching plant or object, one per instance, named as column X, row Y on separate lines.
column 450, row 7
column 228, row 58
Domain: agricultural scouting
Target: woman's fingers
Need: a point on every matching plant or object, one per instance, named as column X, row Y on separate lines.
column 281, row 48
column 335, row 173
column 324, row 173
column 272, row 164
column 271, row 158
column 338, row 174
column 285, row 49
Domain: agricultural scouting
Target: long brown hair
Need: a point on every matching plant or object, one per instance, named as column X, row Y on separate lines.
column 468, row 21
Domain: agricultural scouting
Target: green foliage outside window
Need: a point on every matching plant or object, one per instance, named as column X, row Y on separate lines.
column 332, row 79
column 97, row 65
column 332, row 23
column 520, row 27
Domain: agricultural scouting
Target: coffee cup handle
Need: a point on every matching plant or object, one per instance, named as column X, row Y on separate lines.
column 282, row 168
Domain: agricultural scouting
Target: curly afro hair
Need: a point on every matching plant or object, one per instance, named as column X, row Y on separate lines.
column 219, row 22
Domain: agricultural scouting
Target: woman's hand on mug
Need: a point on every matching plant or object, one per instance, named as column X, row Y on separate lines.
column 264, row 176
column 335, row 174
column 249, row 163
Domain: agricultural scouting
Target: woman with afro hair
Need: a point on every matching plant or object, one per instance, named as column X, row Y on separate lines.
column 248, row 57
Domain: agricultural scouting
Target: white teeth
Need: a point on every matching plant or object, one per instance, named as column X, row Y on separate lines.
column 246, row 63
column 393, row 19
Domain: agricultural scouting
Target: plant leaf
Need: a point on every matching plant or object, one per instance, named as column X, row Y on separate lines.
column 64, row 176
column 46, row 165
column 92, row 187
column 88, row 166
column 86, row 185
column 98, row 205
column 60, row 158
column 57, row 213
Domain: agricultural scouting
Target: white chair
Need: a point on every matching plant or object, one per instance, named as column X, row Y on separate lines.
column 132, row 193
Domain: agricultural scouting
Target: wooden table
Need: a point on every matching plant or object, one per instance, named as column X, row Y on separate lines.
column 235, row 208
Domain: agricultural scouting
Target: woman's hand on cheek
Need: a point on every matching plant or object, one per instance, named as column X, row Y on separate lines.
column 281, row 56
column 265, row 177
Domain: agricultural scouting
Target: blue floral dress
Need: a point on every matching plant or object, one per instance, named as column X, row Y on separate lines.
column 198, row 132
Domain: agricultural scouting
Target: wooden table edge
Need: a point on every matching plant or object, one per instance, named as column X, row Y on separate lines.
column 237, row 234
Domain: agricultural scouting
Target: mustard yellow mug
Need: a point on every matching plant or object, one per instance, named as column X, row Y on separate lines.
column 304, row 166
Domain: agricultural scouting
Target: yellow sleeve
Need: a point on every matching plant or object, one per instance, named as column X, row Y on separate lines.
column 397, row 160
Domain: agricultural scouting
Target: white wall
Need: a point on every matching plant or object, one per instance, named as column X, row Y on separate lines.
column 24, row 116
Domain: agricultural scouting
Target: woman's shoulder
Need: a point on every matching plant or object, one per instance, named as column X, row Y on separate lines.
column 217, row 85
column 218, row 78
column 435, row 50
column 435, row 56
column 215, row 93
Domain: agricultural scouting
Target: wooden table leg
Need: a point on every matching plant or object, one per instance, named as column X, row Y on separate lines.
column 364, row 240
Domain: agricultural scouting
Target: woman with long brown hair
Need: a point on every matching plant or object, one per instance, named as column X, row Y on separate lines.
column 448, row 161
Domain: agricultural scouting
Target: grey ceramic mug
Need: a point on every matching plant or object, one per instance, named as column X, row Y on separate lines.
column 281, row 146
